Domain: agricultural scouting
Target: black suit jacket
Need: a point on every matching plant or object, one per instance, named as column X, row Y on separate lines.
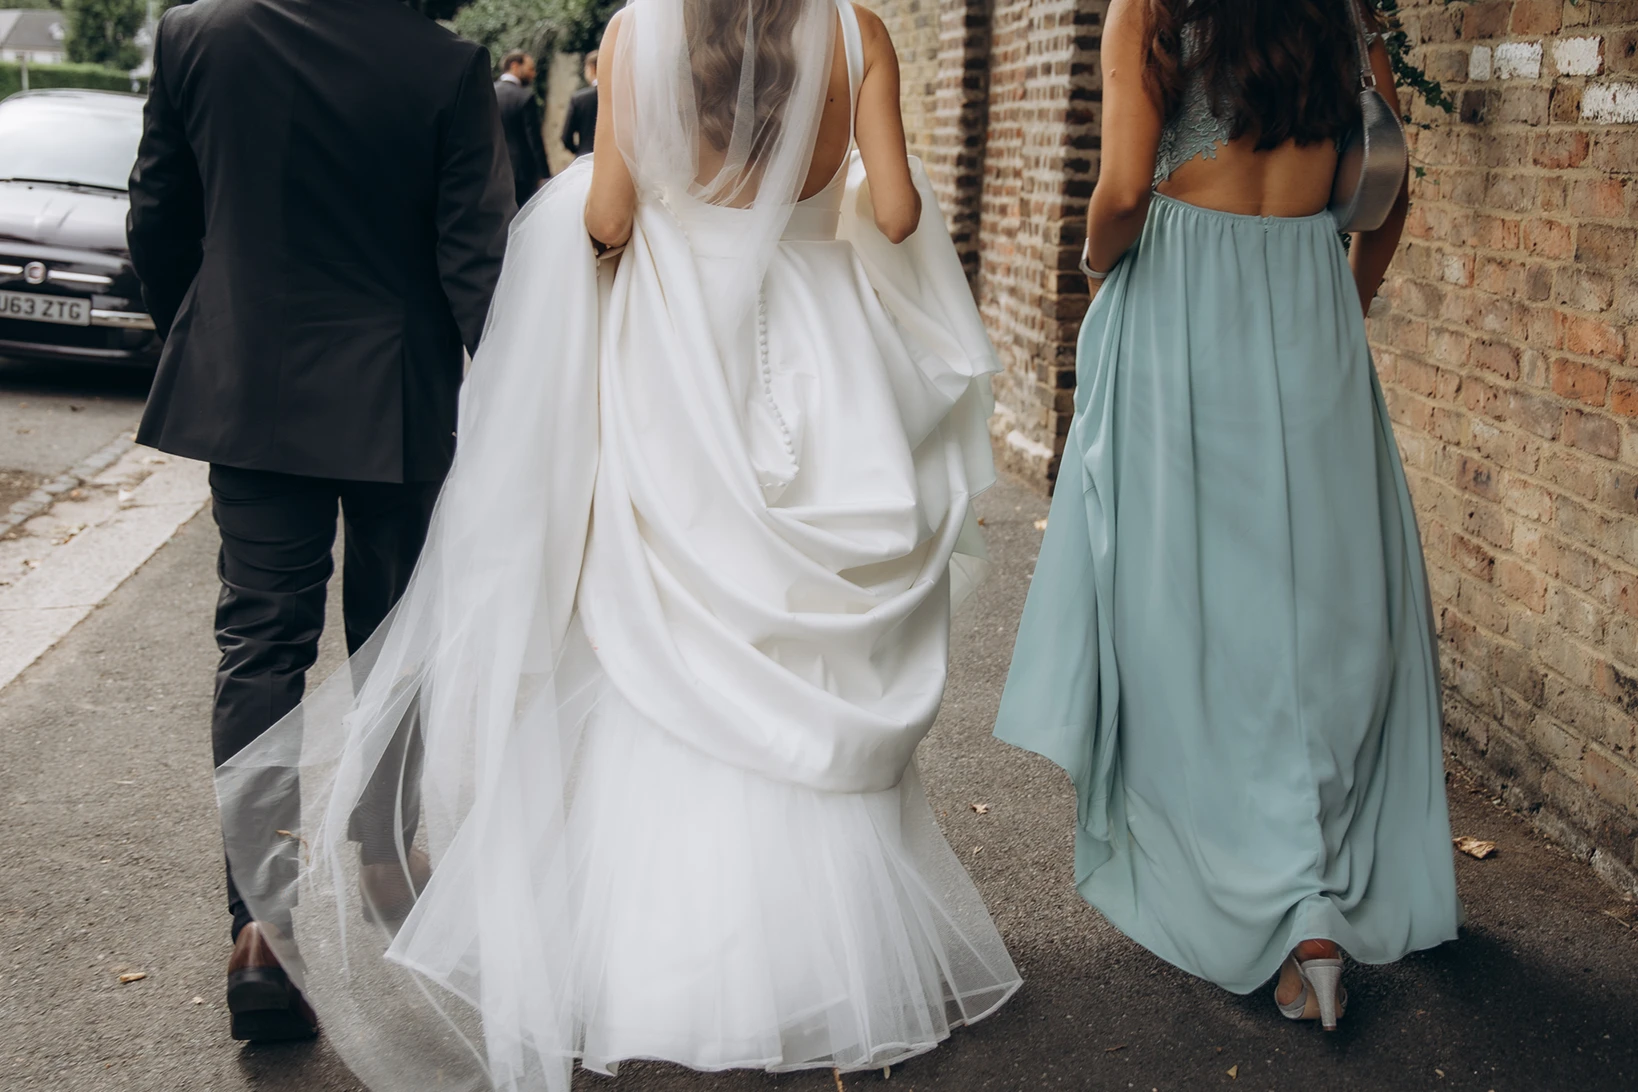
column 580, row 122
column 318, row 213
column 520, row 118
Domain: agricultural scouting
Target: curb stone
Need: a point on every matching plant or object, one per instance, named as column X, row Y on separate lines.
column 44, row 497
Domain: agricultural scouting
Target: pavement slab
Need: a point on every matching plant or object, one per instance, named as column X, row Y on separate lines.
column 110, row 864
column 57, row 566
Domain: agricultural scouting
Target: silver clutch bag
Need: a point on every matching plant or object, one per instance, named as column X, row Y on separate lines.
column 1372, row 160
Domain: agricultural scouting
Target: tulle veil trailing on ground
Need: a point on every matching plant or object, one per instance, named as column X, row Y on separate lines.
column 605, row 732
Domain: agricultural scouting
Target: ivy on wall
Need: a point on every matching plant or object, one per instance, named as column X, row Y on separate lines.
column 1406, row 73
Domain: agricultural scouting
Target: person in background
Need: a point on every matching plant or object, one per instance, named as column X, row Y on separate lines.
column 520, row 117
column 580, row 123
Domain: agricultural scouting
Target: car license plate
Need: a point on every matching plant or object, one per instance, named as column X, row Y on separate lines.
column 63, row 310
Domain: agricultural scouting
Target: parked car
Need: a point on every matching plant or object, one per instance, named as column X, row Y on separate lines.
column 67, row 289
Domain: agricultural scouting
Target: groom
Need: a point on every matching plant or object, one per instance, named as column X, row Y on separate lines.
column 318, row 213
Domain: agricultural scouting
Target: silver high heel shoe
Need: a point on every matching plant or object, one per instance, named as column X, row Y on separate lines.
column 1322, row 994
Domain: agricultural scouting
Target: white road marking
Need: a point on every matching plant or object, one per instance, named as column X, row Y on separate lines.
column 77, row 552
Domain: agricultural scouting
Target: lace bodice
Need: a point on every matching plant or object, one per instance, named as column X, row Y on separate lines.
column 1194, row 130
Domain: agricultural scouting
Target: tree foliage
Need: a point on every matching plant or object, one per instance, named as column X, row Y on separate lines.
column 104, row 31
column 540, row 26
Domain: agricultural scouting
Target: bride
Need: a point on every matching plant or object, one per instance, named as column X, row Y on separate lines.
column 646, row 714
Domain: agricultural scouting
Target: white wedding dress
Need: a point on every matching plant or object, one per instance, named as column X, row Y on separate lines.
column 681, row 621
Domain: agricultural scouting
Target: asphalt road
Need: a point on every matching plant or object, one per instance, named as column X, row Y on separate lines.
column 54, row 415
column 109, row 862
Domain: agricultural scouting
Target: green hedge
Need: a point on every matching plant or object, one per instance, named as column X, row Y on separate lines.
column 62, row 75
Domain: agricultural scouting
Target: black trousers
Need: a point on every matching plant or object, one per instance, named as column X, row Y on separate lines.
column 278, row 536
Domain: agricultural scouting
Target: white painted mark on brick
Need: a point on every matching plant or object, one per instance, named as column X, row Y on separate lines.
column 1455, row 269
column 1610, row 103
column 1518, row 61
column 1019, row 442
column 1478, row 64
column 1578, row 56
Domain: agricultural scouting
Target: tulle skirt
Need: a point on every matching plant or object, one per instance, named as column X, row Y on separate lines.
column 723, row 920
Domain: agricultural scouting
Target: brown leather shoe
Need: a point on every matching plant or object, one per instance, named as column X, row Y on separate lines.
column 264, row 1005
column 386, row 891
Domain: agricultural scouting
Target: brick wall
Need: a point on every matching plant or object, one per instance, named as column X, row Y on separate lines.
column 1001, row 101
column 1509, row 354
column 1039, row 160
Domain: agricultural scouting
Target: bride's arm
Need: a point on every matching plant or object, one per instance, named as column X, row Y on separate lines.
column 613, row 198
column 879, row 130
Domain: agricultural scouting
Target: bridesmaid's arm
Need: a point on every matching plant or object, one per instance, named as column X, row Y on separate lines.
column 1131, row 135
column 1371, row 251
column 612, row 202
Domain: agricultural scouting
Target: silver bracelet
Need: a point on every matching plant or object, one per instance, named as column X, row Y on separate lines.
column 1086, row 263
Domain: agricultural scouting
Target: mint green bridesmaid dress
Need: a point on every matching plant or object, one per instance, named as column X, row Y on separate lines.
column 1228, row 643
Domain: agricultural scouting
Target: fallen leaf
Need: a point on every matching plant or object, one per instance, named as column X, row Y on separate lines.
column 1440, row 1072
column 1040, row 525
column 72, row 408
column 1113, row 1049
column 981, row 522
column 133, row 976
column 1474, row 847
column 1234, row 1072
column 75, row 494
column 197, row 1001
column 982, row 809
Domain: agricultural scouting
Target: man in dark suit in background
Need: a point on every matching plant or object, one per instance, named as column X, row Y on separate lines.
column 520, row 117
column 318, row 214
column 580, row 122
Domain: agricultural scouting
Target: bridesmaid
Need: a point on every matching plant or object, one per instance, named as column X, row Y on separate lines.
column 1228, row 644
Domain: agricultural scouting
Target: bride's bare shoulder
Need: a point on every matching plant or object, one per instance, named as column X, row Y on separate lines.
column 873, row 32
column 611, row 32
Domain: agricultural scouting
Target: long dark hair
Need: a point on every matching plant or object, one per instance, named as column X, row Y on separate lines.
column 1280, row 69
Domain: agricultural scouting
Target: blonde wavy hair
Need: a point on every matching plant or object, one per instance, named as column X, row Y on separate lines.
column 716, row 54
